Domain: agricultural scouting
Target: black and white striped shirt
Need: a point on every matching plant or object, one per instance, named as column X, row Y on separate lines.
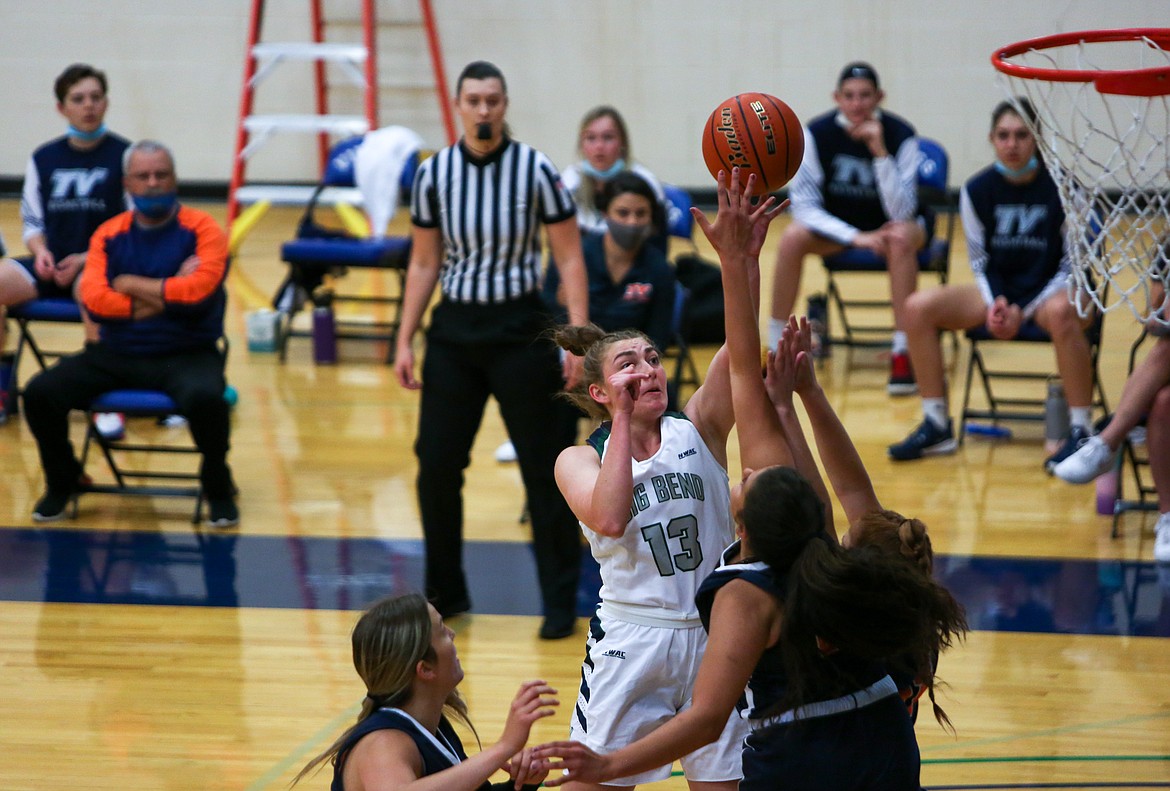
column 489, row 212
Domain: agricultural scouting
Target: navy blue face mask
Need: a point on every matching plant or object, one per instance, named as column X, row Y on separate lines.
column 155, row 207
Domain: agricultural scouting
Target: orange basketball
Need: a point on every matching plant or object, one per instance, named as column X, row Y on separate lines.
column 758, row 134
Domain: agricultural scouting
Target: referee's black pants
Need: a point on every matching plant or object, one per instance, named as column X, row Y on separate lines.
column 524, row 378
column 194, row 379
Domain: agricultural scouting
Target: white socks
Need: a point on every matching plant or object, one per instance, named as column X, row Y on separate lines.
column 899, row 344
column 1081, row 416
column 935, row 410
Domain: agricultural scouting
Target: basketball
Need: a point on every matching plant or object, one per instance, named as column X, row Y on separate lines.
column 758, row 134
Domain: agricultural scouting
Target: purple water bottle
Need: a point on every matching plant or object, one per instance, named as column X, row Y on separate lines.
column 324, row 329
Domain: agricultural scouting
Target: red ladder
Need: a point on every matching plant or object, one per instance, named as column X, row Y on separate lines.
column 357, row 61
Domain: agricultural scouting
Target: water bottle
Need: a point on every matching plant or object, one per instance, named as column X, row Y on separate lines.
column 818, row 323
column 324, row 329
column 1056, row 422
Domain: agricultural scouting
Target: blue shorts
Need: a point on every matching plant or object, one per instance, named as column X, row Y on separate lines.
column 45, row 288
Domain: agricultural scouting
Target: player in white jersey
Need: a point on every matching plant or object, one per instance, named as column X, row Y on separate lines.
column 650, row 490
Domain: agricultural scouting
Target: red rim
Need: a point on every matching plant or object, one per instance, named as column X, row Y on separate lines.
column 1152, row 81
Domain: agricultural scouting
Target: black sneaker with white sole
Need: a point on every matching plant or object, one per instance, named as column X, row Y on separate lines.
column 223, row 513
column 926, row 440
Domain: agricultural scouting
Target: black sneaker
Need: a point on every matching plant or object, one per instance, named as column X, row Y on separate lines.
column 51, row 506
column 558, row 626
column 926, row 440
column 222, row 513
column 1077, row 436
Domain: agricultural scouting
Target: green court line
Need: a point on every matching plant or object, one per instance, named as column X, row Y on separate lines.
column 301, row 752
column 1009, row 759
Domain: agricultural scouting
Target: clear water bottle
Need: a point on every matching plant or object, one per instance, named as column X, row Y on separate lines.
column 1056, row 421
column 324, row 329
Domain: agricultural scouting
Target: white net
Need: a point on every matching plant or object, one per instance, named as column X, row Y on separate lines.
column 1108, row 153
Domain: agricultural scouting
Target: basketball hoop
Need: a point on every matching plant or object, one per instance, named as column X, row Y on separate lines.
column 1102, row 100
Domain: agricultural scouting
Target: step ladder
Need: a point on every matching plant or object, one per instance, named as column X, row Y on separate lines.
column 357, row 63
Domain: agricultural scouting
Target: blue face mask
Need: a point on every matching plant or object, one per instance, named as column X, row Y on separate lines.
column 86, row 137
column 603, row 175
column 1011, row 173
column 155, row 207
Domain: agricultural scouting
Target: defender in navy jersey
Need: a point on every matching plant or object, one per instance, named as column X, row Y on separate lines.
column 405, row 656
column 71, row 186
column 476, row 212
column 857, row 187
column 1015, row 239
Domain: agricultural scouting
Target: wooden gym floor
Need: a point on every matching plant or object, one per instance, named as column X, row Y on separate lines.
column 138, row 653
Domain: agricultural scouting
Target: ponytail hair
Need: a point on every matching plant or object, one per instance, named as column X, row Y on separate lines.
column 870, row 605
column 389, row 641
column 590, row 342
column 894, row 534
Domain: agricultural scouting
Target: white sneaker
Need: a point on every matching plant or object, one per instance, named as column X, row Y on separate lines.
column 1089, row 461
column 111, row 425
column 1162, row 539
column 172, row 421
column 506, row 453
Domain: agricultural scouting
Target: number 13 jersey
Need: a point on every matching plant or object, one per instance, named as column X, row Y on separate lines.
column 679, row 523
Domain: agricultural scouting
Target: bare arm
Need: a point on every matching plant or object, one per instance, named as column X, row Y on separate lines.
column 421, row 276
column 731, row 236
column 599, row 492
column 388, row 760
column 564, row 238
column 843, row 465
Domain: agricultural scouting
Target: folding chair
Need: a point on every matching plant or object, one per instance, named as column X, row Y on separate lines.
column 170, row 483
column 138, row 403
column 1136, row 457
column 51, row 310
column 934, row 258
column 1015, row 406
column 318, row 252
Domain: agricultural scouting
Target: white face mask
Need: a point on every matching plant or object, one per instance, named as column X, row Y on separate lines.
column 627, row 237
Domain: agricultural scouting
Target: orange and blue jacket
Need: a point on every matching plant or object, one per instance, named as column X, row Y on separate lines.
column 194, row 304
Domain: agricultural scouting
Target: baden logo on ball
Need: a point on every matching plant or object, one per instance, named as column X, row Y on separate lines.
column 756, row 133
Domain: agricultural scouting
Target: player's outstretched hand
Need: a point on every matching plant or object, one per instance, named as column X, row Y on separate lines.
column 734, row 231
column 525, row 770
column 532, row 702
column 571, row 761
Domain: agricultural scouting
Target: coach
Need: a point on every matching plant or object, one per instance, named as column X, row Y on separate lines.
column 476, row 209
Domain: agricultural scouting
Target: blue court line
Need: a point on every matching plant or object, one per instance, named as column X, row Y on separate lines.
column 1119, row 598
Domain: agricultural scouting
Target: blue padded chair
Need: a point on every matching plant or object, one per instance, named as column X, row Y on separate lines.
column 139, row 403
column 1016, row 407
column 934, row 258
column 52, row 310
column 318, row 251
column 134, row 403
column 679, row 222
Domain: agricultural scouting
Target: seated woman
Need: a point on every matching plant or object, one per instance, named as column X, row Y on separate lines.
column 1015, row 236
column 1146, row 396
column 631, row 285
column 604, row 143
column 406, row 657
column 809, row 628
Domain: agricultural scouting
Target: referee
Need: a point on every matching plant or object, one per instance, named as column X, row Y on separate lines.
column 476, row 207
